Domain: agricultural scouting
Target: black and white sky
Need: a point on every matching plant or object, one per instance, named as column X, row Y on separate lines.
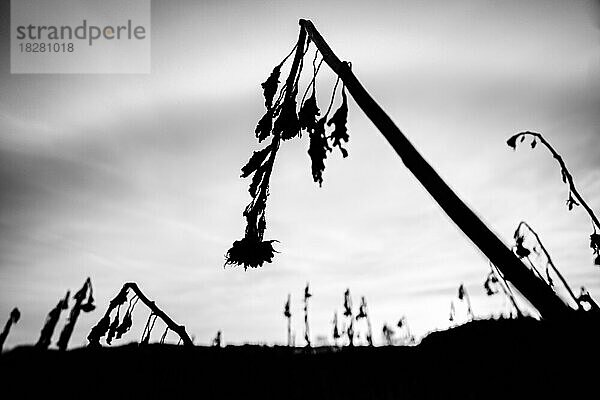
column 136, row 177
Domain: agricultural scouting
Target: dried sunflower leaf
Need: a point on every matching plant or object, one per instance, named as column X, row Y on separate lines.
column 490, row 284
column 270, row 86
column 347, row 303
column 119, row 300
column 112, row 329
column 286, row 310
column 461, row 292
column 571, row 202
column 265, row 126
column 287, row 125
column 125, row 325
column 595, row 242
column 309, row 113
column 340, row 132
column 317, row 151
column 512, row 142
column 255, row 161
column 88, row 307
column 522, row 251
column 99, row 330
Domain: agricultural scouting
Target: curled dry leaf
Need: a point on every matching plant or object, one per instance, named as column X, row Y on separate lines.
column 309, row 113
column 256, row 161
column 286, row 310
column 595, row 246
column 125, row 325
column 512, row 142
column 112, row 330
column 461, row 292
column 265, row 126
column 347, row 303
column 520, row 250
column 99, row 330
column 490, row 284
column 317, row 151
column 571, row 202
column 361, row 313
column 340, row 119
column 270, row 86
column 287, row 125
column 88, row 307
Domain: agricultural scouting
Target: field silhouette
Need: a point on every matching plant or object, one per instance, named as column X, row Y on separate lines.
column 482, row 359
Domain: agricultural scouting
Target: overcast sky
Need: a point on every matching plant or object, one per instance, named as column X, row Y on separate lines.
column 136, row 177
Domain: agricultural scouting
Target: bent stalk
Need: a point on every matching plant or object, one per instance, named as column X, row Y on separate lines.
column 537, row 293
column 102, row 327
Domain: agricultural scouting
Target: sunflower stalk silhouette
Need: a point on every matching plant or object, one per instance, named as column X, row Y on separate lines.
column 336, row 332
column 281, row 123
column 463, row 295
column 85, row 293
column 287, row 313
column 348, row 314
column 364, row 313
column 51, row 322
column 117, row 328
column 307, row 295
column 13, row 318
column 574, row 197
column 523, row 230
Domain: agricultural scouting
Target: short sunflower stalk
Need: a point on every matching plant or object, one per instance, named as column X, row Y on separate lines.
column 496, row 282
column 13, row 318
column 307, row 295
column 403, row 326
column 84, row 294
column 363, row 313
column 574, row 199
column 218, row 340
column 387, row 332
column 348, row 314
column 117, row 328
column 336, row 331
column 463, row 295
column 287, row 313
column 51, row 322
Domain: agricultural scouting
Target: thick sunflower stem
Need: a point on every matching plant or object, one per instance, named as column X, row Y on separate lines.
column 548, row 304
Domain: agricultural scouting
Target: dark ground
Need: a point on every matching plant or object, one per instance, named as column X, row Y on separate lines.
column 483, row 359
